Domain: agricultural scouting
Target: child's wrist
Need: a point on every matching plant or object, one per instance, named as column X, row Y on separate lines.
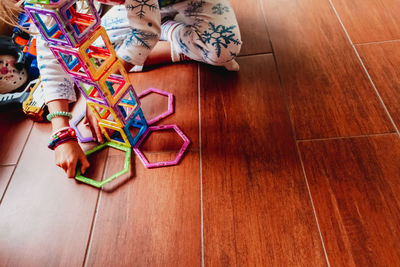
column 61, row 136
column 59, row 122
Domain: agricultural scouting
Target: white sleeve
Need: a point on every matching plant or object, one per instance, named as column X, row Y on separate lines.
column 56, row 83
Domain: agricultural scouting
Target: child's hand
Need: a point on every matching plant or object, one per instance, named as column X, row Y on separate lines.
column 67, row 156
column 91, row 119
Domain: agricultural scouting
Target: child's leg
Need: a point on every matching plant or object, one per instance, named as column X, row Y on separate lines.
column 134, row 30
column 208, row 32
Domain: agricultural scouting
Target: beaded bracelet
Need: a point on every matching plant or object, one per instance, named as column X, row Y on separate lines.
column 62, row 130
column 63, row 135
column 59, row 114
column 53, row 146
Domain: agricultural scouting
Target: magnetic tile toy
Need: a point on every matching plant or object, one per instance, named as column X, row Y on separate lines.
column 90, row 60
column 62, row 24
column 170, row 109
column 74, row 125
column 178, row 157
column 114, row 134
column 91, row 90
column 114, row 82
column 139, row 122
column 128, row 104
column 84, row 51
column 105, row 114
column 99, row 184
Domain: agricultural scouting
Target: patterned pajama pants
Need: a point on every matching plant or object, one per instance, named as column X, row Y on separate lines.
column 208, row 30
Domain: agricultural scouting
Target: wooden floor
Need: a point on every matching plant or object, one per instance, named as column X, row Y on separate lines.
column 294, row 161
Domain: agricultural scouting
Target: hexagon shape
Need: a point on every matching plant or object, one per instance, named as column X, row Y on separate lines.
column 81, row 138
column 99, row 184
column 170, row 103
column 178, row 157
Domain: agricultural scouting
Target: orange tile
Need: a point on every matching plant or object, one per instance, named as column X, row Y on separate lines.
column 370, row 20
column 45, row 218
column 256, row 208
column 14, row 130
column 5, row 176
column 153, row 216
column 382, row 61
column 354, row 186
column 328, row 92
column 252, row 27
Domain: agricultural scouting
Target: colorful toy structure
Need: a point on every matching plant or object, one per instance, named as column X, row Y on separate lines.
column 84, row 50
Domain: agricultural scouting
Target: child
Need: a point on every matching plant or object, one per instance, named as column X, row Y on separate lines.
column 144, row 32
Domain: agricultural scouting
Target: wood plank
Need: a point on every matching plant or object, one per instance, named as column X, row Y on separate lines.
column 14, row 130
column 252, row 27
column 153, row 217
column 256, row 207
column 5, row 176
column 328, row 92
column 382, row 61
column 370, row 20
column 180, row 79
column 355, row 188
column 45, row 218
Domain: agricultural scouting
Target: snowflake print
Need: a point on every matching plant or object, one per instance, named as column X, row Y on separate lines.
column 206, row 53
column 64, row 89
column 183, row 46
column 141, row 4
column 194, row 8
column 139, row 37
column 220, row 9
column 219, row 36
column 127, row 58
column 113, row 23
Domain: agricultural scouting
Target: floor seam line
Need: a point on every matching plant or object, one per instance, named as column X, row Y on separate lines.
column 200, row 167
column 291, row 122
column 345, row 137
column 90, row 238
column 364, row 68
column 16, row 164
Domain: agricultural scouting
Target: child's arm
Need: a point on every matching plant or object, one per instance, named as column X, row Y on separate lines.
column 59, row 92
column 69, row 153
column 56, row 83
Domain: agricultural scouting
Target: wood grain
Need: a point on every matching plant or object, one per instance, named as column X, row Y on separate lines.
column 256, row 208
column 152, row 218
column 45, row 218
column 252, row 27
column 5, row 176
column 370, row 20
column 382, row 61
column 355, row 188
column 329, row 94
column 181, row 81
column 14, row 130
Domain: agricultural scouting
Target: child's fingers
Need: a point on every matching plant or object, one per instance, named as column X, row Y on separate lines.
column 99, row 135
column 84, row 164
column 85, row 120
column 71, row 169
column 94, row 134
